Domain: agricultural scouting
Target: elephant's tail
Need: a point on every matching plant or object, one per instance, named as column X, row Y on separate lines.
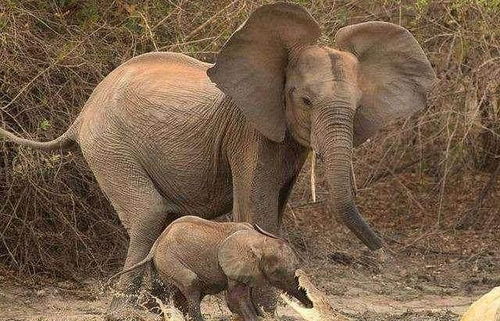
column 64, row 141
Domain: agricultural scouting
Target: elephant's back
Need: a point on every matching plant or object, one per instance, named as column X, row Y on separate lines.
column 150, row 91
column 198, row 232
column 167, row 58
column 157, row 80
column 154, row 67
column 147, row 86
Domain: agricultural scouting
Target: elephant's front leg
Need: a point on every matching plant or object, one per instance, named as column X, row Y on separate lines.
column 256, row 192
column 257, row 171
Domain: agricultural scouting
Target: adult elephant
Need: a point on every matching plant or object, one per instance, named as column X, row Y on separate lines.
column 167, row 135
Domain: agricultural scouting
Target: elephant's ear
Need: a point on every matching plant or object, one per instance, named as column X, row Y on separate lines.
column 251, row 66
column 239, row 257
column 394, row 74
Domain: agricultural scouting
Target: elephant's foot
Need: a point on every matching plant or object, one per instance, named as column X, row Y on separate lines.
column 123, row 307
column 132, row 307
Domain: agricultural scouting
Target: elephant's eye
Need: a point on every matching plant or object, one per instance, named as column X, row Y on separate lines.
column 307, row 101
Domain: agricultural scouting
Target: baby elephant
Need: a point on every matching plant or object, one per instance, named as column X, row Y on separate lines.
column 201, row 257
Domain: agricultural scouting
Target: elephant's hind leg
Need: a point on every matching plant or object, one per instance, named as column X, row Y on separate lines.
column 141, row 209
column 143, row 231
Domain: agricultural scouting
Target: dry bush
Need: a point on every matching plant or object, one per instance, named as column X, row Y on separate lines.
column 54, row 219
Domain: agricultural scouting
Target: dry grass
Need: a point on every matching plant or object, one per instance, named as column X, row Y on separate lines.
column 54, row 219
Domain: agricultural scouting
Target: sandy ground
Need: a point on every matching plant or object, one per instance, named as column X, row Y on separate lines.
column 361, row 294
column 423, row 276
column 61, row 303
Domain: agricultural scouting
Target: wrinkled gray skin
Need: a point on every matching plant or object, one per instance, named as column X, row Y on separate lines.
column 201, row 257
column 167, row 135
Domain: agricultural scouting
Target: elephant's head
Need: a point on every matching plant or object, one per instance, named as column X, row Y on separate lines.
column 329, row 99
column 253, row 258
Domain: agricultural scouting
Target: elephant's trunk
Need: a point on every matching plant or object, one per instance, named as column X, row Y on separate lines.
column 332, row 139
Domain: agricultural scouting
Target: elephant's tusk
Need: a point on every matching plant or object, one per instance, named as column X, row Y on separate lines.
column 313, row 176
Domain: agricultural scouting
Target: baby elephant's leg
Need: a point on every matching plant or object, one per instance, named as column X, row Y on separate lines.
column 189, row 307
column 188, row 284
column 239, row 301
column 160, row 292
column 180, row 302
column 193, row 299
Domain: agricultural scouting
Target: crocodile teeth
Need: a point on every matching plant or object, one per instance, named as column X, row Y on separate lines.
column 321, row 311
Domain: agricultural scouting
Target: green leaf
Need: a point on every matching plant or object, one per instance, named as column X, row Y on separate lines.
column 45, row 124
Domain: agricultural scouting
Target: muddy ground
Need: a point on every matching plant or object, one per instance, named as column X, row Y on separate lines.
column 428, row 271
column 365, row 301
column 405, row 287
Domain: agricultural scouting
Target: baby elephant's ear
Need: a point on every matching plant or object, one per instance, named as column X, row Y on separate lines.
column 239, row 257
